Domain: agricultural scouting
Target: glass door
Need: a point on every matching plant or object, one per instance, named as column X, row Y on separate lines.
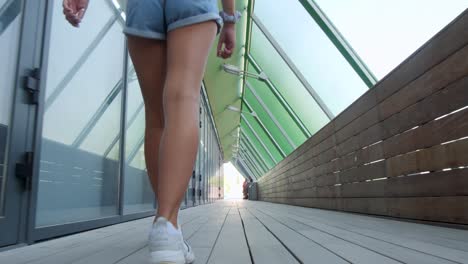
column 19, row 24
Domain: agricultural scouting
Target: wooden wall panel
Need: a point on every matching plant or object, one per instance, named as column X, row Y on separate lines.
column 400, row 150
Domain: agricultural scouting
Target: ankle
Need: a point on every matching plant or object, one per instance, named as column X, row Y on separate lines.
column 170, row 217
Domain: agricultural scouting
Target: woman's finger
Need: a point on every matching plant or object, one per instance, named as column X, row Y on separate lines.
column 220, row 46
column 80, row 14
column 67, row 5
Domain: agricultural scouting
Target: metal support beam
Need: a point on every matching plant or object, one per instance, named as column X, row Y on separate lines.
column 270, row 114
column 248, row 143
column 246, row 167
column 92, row 122
column 258, row 138
column 254, row 159
column 340, row 42
column 281, row 100
column 265, row 129
column 252, row 164
column 293, row 68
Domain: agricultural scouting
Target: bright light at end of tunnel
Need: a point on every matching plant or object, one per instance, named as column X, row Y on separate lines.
column 233, row 181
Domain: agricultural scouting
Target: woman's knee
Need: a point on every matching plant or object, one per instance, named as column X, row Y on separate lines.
column 180, row 93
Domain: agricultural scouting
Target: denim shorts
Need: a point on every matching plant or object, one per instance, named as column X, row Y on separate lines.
column 154, row 18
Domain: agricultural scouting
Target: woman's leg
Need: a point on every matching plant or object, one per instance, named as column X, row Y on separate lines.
column 187, row 52
column 149, row 59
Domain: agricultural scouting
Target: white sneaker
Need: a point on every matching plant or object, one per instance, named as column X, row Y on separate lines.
column 166, row 244
column 188, row 253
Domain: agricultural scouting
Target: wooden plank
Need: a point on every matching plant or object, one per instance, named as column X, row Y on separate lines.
column 264, row 246
column 445, row 43
column 452, row 155
column 140, row 256
column 408, row 229
column 302, row 247
column 442, row 209
column 351, row 252
column 115, row 252
column 76, row 252
column 424, row 111
column 38, row 252
column 411, row 237
column 446, row 129
column 449, row 99
column 231, row 245
column 452, row 69
column 395, row 251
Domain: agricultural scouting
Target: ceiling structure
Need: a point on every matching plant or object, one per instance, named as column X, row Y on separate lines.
column 302, row 72
column 300, row 63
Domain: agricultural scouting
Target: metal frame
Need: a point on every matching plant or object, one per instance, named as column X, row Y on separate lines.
column 258, row 138
column 246, row 139
column 241, row 168
column 270, row 114
column 259, row 159
column 281, row 100
column 293, row 68
column 21, row 131
column 123, row 136
column 265, row 129
column 340, row 42
column 39, row 233
column 251, row 167
column 254, row 164
column 253, row 160
column 83, row 58
column 8, row 12
column 245, row 167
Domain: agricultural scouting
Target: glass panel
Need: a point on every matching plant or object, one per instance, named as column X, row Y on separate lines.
column 388, row 40
column 267, row 121
column 9, row 44
column 322, row 65
column 264, row 92
column 77, row 181
column 264, row 138
column 138, row 194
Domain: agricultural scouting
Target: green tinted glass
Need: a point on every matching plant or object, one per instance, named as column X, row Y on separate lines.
column 310, row 50
column 388, row 40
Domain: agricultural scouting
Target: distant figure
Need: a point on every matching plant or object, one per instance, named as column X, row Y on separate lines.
column 245, row 189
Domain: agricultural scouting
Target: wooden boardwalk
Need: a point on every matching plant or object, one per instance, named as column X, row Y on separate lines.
column 257, row 232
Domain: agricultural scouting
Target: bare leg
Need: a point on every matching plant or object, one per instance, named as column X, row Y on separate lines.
column 149, row 58
column 187, row 52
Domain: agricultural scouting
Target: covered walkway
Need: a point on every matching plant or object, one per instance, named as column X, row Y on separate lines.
column 352, row 125
column 260, row 232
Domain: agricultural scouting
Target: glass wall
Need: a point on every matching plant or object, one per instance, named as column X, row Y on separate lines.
column 83, row 150
column 9, row 43
column 138, row 194
column 78, row 179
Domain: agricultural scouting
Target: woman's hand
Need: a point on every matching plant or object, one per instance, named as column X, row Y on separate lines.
column 74, row 11
column 228, row 38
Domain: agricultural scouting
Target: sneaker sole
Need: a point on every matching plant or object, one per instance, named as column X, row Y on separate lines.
column 167, row 257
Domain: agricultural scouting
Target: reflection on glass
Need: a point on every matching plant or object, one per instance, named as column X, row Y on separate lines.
column 275, row 107
column 77, row 181
column 9, row 43
column 322, row 65
column 138, row 194
column 386, row 32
